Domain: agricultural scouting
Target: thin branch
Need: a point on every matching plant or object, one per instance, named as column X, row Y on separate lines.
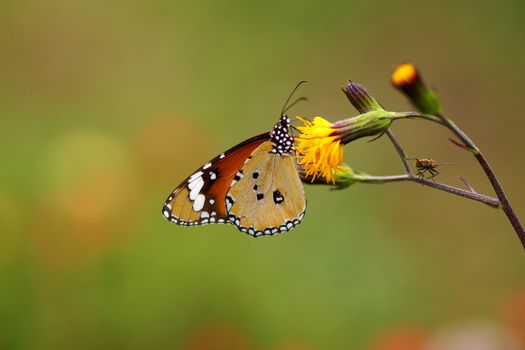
column 471, row 146
column 470, row 188
column 418, row 115
column 371, row 179
column 400, row 151
column 411, row 177
column 493, row 202
column 505, row 204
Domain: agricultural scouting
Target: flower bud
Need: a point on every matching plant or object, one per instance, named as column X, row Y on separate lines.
column 360, row 98
column 372, row 123
column 406, row 78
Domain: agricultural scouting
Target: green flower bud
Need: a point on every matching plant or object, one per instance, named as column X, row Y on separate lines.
column 406, row 78
column 360, row 98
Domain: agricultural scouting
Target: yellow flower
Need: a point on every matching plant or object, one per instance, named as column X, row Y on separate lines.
column 320, row 152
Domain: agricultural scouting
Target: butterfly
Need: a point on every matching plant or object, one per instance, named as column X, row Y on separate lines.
column 254, row 186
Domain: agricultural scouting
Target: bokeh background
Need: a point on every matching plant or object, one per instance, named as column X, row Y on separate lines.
column 105, row 106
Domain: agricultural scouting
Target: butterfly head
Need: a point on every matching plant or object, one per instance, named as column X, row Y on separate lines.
column 282, row 139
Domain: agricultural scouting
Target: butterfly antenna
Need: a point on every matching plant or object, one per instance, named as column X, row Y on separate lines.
column 302, row 98
column 284, row 109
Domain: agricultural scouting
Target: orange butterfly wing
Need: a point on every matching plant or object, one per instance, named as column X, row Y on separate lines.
column 201, row 198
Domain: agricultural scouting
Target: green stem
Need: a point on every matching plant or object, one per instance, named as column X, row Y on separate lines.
column 417, row 115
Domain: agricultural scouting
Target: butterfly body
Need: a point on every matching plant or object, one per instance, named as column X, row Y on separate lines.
column 254, row 186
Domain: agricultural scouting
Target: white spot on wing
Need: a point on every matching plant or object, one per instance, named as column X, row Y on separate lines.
column 194, row 181
column 199, row 202
column 166, row 214
column 229, row 202
column 194, row 176
column 196, row 188
column 205, row 214
column 206, row 166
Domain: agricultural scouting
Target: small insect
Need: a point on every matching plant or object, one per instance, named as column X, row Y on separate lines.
column 426, row 165
column 254, row 186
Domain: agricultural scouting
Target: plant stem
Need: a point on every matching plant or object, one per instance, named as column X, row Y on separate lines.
column 493, row 202
column 505, row 204
column 467, row 184
column 417, row 115
column 471, row 146
column 400, row 151
column 410, row 176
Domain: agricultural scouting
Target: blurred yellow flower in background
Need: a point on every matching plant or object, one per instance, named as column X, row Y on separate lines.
column 404, row 74
column 407, row 79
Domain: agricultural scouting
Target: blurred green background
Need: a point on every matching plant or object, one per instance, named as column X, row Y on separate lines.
column 105, row 106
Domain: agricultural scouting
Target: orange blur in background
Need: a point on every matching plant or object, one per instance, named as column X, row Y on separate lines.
column 106, row 107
